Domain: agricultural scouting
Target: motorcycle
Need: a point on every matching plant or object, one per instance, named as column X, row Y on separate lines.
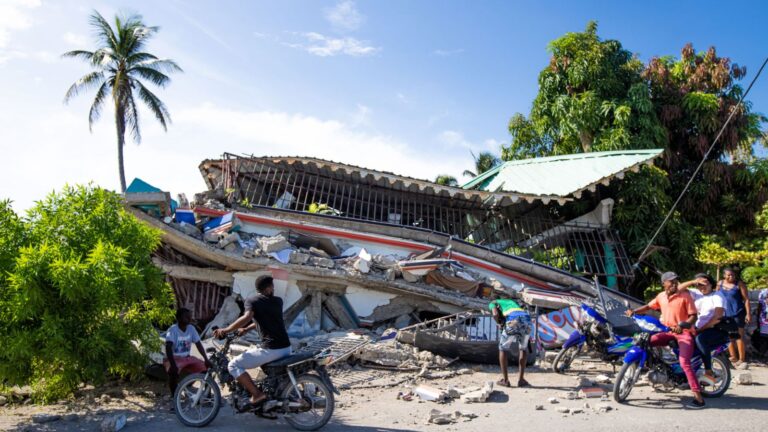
column 663, row 364
column 297, row 387
column 599, row 335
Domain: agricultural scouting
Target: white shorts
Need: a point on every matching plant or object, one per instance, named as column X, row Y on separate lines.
column 254, row 358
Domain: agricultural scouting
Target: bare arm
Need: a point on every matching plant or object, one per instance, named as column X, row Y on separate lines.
column 641, row 309
column 714, row 320
column 169, row 355
column 745, row 295
column 243, row 320
column 201, row 350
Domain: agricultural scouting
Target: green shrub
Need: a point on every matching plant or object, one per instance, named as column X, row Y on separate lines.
column 79, row 294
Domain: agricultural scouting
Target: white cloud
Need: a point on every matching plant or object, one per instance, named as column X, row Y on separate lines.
column 402, row 98
column 456, row 140
column 324, row 46
column 447, row 52
column 361, row 117
column 170, row 160
column 13, row 16
column 42, row 56
column 75, row 40
column 344, row 16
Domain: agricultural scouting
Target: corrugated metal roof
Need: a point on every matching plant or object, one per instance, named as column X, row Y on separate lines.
column 562, row 176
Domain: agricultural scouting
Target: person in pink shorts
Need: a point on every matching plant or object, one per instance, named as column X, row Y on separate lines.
column 178, row 345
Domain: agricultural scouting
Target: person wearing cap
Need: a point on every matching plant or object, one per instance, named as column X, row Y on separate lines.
column 515, row 330
column 676, row 307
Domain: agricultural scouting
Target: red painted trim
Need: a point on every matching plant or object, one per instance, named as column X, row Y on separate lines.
column 373, row 239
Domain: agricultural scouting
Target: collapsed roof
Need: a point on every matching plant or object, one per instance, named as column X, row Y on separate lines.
column 562, row 176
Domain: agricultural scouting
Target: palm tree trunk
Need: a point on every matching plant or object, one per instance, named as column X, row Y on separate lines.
column 120, row 126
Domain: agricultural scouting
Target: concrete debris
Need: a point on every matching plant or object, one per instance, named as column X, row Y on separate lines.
column 45, row 418
column 479, row 395
column 563, row 410
column 362, row 265
column 602, row 379
column 274, row 243
column 576, row 410
column 603, row 408
column 539, row 407
column 212, row 237
column 586, row 405
column 591, row 392
column 553, row 400
column 228, row 239
column 189, row 230
column 322, row 262
column 298, row 257
column 440, row 418
column 394, row 354
column 228, row 313
column 744, row 378
column 113, row 423
column 571, row 395
column 431, row 394
column 582, row 381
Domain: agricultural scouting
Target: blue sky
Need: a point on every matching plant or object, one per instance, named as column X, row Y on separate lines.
column 403, row 86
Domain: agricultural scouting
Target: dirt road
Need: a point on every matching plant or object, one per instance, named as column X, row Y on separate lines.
column 743, row 408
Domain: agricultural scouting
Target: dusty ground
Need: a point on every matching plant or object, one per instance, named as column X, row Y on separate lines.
column 367, row 406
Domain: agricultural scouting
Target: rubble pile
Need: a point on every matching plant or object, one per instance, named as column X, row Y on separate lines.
column 393, row 354
column 226, row 233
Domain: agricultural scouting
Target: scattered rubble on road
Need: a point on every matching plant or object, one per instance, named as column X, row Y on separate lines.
column 743, row 378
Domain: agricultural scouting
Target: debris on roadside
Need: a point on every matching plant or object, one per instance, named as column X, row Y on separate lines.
column 744, row 378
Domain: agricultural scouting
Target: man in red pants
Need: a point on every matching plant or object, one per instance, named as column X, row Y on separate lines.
column 676, row 307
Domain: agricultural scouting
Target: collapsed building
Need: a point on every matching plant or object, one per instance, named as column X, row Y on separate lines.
column 350, row 247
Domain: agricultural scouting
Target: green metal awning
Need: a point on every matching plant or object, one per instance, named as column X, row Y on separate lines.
column 562, row 176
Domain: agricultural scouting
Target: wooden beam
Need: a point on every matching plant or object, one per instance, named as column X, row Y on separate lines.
column 219, row 277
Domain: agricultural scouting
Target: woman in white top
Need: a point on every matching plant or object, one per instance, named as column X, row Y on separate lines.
column 710, row 306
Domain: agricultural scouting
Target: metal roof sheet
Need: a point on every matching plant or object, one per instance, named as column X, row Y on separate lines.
column 562, row 176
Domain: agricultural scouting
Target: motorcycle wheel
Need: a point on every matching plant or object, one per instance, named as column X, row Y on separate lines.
column 625, row 380
column 313, row 408
column 721, row 369
column 207, row 407
column 564, row 358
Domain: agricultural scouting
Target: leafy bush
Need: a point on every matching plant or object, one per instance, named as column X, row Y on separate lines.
column 79, row 294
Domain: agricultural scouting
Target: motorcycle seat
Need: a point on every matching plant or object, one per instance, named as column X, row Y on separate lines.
column 291, row 359
column 626, row 330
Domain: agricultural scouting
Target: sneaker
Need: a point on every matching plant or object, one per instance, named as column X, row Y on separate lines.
column 694, row 404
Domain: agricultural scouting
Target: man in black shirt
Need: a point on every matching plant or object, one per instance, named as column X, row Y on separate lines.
column 266, row 312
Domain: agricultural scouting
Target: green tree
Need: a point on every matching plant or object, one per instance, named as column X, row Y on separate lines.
column 484, row 161
column 446, row 180
column 595, row 95
column 591, row 98
column 119, row 64
column 80, row 295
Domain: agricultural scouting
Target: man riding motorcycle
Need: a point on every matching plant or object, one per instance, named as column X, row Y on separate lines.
column 265, row 310
column 676, row 307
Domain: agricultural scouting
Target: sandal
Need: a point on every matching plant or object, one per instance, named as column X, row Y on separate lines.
column 523, row 383
column 503, row 383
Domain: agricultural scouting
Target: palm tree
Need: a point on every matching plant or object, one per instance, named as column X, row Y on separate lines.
column 118, row 63
column 446, row 180
column 483, row 162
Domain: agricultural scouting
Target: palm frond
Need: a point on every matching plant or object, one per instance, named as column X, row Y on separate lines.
column 104, row 31
column 139, row 57
column 162, row 65
column 98, row 103
column 82, row 54
column 158, row 78
column 90, row 80
column 155, row 105
column 469, row 173
column 103, row 56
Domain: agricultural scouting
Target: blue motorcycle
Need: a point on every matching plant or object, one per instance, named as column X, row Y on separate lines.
column 608, row 341
column 663, row 365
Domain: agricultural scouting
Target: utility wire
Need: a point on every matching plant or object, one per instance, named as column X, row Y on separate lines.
column 698, row 168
